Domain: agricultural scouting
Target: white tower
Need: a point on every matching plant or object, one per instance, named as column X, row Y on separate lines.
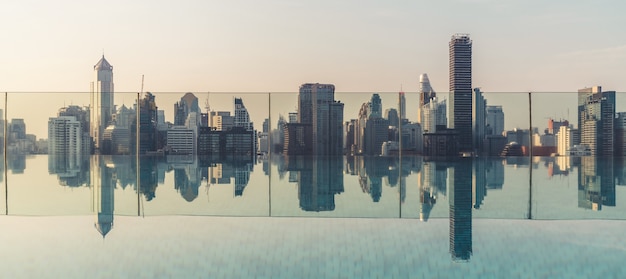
column 102, row 108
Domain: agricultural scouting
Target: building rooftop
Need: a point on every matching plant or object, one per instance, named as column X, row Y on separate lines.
column 103, row 64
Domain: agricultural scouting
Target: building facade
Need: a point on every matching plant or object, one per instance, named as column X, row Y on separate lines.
column 495, row 120
column 102, row 101
column 596, row 113
column 460, row 99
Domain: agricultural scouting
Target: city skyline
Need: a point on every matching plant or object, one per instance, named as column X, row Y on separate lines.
column 375, row 48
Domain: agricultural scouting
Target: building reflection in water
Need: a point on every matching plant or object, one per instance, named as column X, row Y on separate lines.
column 596, row 183
column 432, row 181
column 372, row 171
column 222, row 171
column 463, row 182
column 319, row 180
column 460, row 199
column 187, row 176
column 103, row 192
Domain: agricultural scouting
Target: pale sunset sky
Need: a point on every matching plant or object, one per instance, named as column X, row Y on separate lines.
column 363, row 47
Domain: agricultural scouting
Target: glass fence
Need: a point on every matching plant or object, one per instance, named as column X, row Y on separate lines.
column 317, row 153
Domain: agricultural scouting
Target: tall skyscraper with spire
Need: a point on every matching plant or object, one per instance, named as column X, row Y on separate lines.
column 402, row 105
column 460, row 99
column 102, row 104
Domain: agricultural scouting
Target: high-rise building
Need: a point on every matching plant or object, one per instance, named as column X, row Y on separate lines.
column 554, row 126
column 495, row 120
column 102, row 103
column 221, row 120
column 187, row 104
column 373, row 127
column 426, row 94
column 65, row 136
column 392, row 116
column 564, row 140
column 317, row 107
column 402, row 105
column 242, row 118
column 620, row 134
column 375, row 109
column 148, row 120
column 596, row 113
column 460, row 99
column 433, row 115
column 479, row 119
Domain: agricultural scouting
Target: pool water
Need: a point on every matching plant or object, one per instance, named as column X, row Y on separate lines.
column 330, row 218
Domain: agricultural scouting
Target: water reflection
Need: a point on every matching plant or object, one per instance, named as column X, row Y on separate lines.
column 597, row 178
column 412, row 181
column 421, row 188
column 318, row 180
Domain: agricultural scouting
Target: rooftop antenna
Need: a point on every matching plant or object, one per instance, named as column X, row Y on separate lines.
column 206, row 103
column 141, row 85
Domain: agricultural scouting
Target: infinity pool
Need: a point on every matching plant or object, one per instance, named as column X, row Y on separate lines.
column 331, row 218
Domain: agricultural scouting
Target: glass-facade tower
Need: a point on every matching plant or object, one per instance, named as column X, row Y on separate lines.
column 460, row 99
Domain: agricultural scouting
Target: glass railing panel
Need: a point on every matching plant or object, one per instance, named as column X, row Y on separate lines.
column 579, row 187
column 580, row 179
column 224, row 175
column 312, row 176
column 51, row 169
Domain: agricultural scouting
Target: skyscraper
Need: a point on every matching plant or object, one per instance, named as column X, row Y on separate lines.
column 433, row 115
column 375, row 127
column 495, row 120
column 187, row 104
column 460, row 99
column 402, row 105
column 426, row 93
column 596, row 113
column 317, row 107
column 479, row 118
column 102, row 103
column 147, row 125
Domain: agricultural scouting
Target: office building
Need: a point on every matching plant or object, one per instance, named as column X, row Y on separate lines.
column 234, row 143
column 187, row 104
column 495, row 120
column 402, row 106
column 620, row 134
column 65, row 136
column 317, row 107
column 460, row 99
column 181, row 140
column 148, row 135
column 102, row 102
column 479, row 119
column 564, row 140
column 426, row 94
column 433, row 115
column 596, row 113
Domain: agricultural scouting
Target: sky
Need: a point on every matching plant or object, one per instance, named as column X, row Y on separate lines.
column 245, row 48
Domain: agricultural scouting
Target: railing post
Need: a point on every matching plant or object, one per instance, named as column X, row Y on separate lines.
column 137, row 155
column 269, row 153
column 4, row 152
column 530, row 156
